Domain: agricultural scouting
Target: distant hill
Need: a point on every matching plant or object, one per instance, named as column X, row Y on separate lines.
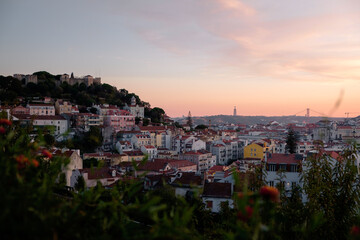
column 49, row 85
column 229, row 119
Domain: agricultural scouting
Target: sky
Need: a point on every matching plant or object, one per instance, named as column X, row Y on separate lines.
column 205, row 56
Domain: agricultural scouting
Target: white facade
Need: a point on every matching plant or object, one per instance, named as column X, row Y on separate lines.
column 151, row 151
column 75, row 163
column 198, row 145
column 216, row 203
column 135, row 109
column 59, row 123
column 203, row 159
column 283, row 169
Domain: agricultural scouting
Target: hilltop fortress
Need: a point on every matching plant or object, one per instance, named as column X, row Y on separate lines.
column 88, row 80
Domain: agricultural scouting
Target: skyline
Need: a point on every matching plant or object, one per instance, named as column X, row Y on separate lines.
column 200, row 56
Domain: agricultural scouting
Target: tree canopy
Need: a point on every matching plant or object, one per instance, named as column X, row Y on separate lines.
column 291, row 141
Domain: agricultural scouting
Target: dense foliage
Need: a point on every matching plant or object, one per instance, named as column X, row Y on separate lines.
column 35, row 204
column 291, row 140
column 87, row 142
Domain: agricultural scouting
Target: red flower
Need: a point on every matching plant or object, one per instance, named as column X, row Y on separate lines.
column 47, row 154
column 22, row 161
column 245, row 216
column 355, row 231
column 2, row 130
column 270, row 193
column 241, row 195
column 5, row 122
column 249, row 196
column 35, row 162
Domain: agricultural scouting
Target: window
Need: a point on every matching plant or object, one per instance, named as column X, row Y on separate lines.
column 282, row 166
column 209, row 204
column 293, row 185
column 282, row 184
column 272, row 167
column 294, row 168
column 271, row 183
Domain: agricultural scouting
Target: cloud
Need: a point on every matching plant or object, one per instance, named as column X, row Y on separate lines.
column 254, row 39
column 322, row 47
column 237, row 6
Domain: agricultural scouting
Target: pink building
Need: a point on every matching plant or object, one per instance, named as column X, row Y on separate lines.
column 121, row 120
column 20, row 110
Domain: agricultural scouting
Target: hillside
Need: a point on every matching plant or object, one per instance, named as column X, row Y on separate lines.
column 49, row 85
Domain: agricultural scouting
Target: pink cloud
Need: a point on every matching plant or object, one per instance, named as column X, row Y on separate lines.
column 322, row 46
column 238, row 6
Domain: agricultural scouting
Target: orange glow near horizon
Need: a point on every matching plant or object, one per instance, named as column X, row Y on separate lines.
column 281, row 98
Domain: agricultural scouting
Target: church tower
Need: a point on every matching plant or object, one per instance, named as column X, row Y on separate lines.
column 133, row 101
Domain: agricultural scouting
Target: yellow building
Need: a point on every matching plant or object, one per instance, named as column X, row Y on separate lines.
column 255, row 151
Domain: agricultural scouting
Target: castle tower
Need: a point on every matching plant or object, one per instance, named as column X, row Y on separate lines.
column 234, row 110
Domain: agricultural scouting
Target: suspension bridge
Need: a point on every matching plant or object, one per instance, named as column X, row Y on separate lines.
column 306, row 112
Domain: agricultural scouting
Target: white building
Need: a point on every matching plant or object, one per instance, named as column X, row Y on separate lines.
column 56, row 124
column 76, row 163
column 183, row 144
column 135, row 109
column 204, row 159
column 150, row 150
column 216, row 194
column 284, row 170
column 105, row 176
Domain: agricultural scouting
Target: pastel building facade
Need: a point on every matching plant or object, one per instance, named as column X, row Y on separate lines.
column 122, row 120
column 41, row 109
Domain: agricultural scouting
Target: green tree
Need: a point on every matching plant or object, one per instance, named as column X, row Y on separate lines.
column 89, row 163
column 332, row 187
column 146, row 122
column 49, row 140
column 201, row 127
column 137, row 120
column 92, row 139
column 291, row 140
column 155, row 114
column 80, row 183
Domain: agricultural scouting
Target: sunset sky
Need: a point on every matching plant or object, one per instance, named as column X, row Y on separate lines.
column 204, row 56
